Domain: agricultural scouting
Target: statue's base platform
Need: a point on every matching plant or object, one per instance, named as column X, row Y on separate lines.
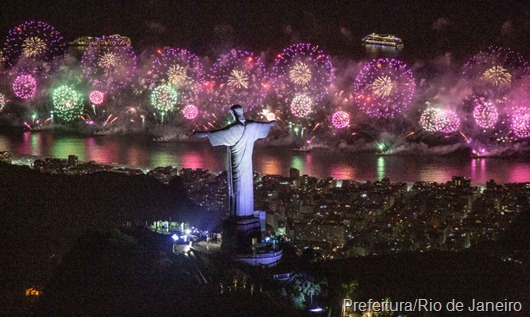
column 241, row 242
column 267, row 259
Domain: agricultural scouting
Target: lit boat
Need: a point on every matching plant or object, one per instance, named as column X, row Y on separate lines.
column 101, row 132
column 305, row 148
column 161, row 139
column 383, row 39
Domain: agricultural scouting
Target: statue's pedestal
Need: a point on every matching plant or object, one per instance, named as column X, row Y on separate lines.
column 238, row 236
column 238, row 233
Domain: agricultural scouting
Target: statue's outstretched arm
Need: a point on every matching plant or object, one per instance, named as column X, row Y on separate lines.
column 224, row 136
column 262, row 128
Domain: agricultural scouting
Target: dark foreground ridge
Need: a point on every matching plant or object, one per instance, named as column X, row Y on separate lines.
column 60, row 235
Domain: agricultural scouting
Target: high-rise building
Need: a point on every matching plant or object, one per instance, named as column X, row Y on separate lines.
column 72, row 160
column 460, row 181
column 294, row 173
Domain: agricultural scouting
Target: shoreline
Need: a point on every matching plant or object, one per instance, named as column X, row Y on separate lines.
column 28, row 160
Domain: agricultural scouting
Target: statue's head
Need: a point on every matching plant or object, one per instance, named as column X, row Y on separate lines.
column 237, row 112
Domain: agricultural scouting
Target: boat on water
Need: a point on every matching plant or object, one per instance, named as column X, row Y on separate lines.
column 161, row 139
column 305, row 148
column 383, row 39
column 101, row 132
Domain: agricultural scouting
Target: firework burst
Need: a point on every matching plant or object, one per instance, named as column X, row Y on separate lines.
column 237, row 78
column 428, row 119
column 33, row 47
column 496, row 69
column 497, row 76
column 164, row 98
column 448, row 122
column 190, row 112
column 177, row 75
column 300, row 73
column 109, row 63
column 485, row 113
column 439, row 120
column 301, row 106
column 25, row 86
column 96, row 97
column 340, row 119
column 181, row 69
column 302, row 69
column 67, row 103
column 384, row 87
column 520, row 122
column 32, row 41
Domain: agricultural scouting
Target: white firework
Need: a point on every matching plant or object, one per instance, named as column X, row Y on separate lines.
column 300, row 73
column 33, row 47
column 177, row 75
column 108, row 61
column 497, row 76
column 238, row 79
column 382, row 86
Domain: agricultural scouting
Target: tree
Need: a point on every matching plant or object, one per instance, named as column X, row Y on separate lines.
column 349, row 288
column 303, row 285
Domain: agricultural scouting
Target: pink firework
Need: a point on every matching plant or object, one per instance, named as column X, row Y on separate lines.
column 96, row 97
column 485, row 113
column 447, row 122
column 439, row 120
column 384, row 87
column 340, row 119
column 190, row 112
column 301, row 106
column 520, row 124
column 25, row 86
column 429, row 118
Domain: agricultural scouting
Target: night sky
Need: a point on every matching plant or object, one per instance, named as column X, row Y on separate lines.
column 428, row 27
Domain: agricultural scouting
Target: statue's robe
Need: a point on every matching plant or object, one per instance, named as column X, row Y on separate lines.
column 239, row 139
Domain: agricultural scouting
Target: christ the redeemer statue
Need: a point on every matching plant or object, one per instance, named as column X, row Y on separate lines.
column 239, row 137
